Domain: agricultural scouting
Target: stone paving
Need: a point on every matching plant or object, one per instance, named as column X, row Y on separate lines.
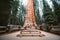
column 12, row 36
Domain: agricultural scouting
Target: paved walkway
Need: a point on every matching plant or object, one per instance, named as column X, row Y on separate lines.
column 12, row 36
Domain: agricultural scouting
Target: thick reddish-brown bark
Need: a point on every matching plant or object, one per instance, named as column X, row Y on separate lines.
column 30, row 18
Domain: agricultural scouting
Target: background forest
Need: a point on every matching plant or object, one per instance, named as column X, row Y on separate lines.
column 46, row 11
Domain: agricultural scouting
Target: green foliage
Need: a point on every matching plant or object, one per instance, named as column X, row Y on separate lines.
column 17, row 13
column 22, row 12
column 57, row 10
column 49, row 16
column 36, row 8
column 14, row 9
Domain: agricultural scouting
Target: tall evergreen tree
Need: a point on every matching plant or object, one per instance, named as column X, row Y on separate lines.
column 36, row 8
column 57, row 10
column 18, row 12
column 14, row 9
column 48, row 14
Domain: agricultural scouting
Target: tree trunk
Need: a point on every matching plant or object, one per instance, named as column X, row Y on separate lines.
column 30, row 18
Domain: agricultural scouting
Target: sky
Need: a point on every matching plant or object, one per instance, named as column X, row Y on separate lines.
column 25, row 2
column 50, row 4
column 58, row 1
